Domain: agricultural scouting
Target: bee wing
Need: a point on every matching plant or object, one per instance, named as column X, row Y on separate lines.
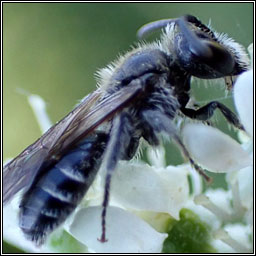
column 89, row 114
column 19, row 172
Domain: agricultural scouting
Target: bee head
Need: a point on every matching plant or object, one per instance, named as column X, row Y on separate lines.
column 200, row 51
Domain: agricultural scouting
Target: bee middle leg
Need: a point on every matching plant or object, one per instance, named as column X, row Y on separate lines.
column 160, row 122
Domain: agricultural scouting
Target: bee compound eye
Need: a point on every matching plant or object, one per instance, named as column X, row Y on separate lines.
column 221, row 60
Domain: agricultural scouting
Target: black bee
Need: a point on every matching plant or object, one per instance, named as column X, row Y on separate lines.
column 139, row 96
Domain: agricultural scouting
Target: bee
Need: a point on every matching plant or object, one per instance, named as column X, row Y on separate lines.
column 138, row 98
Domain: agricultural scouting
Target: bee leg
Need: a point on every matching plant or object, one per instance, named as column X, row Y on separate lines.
column 186, row 154
column 204, row 113
column 162, row 123
column 117, row 149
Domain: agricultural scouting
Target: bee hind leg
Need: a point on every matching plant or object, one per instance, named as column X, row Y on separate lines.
column 118, row 148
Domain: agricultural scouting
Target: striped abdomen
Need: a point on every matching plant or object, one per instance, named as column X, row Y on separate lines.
column 56, row 191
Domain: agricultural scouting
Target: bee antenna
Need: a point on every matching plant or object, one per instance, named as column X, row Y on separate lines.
column 153, row 26
column 196, row 46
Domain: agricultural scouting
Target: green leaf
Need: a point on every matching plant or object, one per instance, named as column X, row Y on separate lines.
column 188, row 235
column 9, row 248
column 65, row 243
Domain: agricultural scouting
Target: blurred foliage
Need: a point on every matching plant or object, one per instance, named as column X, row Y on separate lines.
column 63, row 242
column 188, row 235
column 8, row 248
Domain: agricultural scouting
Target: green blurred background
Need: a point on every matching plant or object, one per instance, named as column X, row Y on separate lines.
column 54, row 49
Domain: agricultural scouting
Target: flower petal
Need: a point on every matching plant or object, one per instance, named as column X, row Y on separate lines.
column 126, row 233
column 142, row 187
column 236, row 236
column 213, row 149
column 38, row 106
column 243, row 96
column 216, row 201
column 244, row 177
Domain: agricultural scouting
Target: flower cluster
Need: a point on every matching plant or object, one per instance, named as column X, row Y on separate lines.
column 229, row 212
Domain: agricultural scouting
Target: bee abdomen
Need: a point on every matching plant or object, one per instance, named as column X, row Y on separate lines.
column 56, row 192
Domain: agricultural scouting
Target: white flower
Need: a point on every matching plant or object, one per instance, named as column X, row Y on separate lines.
column 220, row 153
column 126, row 233
column 139, row 186
column 236, row 236
column 213, row 149
column 243, row 96
column 136, row 188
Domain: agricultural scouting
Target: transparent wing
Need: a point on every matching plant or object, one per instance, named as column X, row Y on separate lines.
column 90, row 113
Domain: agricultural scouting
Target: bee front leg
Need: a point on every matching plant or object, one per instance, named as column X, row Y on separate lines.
column 206, row 112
